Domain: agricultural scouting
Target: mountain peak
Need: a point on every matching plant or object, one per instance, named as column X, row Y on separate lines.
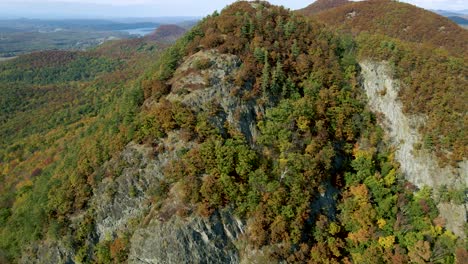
column 322, row 5
column 397, row 20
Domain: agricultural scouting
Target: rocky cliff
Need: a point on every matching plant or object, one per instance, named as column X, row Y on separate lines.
column 188, row 240
column 418, row 165
column 164, row 231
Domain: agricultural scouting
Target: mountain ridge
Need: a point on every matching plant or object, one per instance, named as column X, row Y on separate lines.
column 322, row 5
column 398, row 20
column 254, row 138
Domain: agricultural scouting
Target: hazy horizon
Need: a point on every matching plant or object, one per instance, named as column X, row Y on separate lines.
column 92, row 9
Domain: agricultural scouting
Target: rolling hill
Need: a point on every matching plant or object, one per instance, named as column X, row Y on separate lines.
column 167, row 33
column 322, row 5
column 398, row 20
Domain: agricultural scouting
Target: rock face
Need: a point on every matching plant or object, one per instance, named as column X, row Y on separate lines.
column 192, row 240
column 161, row 235
column 118, row 200
column 123, row 202
column 203, row 83
column 209, row 87
column 420, row 167
column 48, row 252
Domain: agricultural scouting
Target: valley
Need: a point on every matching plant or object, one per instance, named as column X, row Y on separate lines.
column 22, row 36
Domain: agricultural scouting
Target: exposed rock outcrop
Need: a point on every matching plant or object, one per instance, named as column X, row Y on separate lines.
column 192, row 240
column 202, row 83
column 48, row 252
column 205, row 82
column 118, row 200
column 420, row 167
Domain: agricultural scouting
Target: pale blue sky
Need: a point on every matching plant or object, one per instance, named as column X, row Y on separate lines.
column 154, row 8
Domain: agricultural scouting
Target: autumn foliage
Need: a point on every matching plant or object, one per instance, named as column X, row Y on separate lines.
column 398, row 20
column 318, row 184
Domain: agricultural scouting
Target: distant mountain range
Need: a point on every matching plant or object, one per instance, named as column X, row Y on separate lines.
column 460, row 16
column 19, row 36
column 459, row 20
column 91, row 24
column 448, row 13
column 73, row 24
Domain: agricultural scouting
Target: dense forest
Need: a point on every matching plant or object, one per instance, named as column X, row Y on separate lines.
column 315, row 132
column 398, row 20
column 57, row 124
column 417, row 43
column 321, row 6
column 315, row 183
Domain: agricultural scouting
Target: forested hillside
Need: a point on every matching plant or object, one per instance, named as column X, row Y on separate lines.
column 398, row 20
column 434, row 80
column 315, row 131
column 167, row 33
column 249, row 140
column 62, row 113
column 322, row 5
column 433, row 87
